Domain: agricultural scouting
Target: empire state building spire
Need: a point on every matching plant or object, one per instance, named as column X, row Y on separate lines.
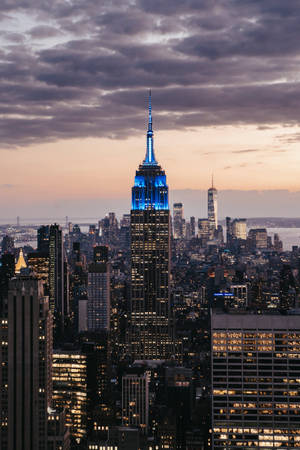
column 150, row 335
column 150, row 157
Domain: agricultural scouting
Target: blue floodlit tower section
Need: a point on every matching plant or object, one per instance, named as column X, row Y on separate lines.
column 150, row 335
column 150, row 190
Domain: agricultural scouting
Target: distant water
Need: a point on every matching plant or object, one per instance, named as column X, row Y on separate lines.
column 46, row 221
column 288, row 236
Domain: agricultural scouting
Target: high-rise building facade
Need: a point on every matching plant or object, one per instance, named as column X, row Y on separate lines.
column 178, row 221
column 239, row 229
column 26, row 366
column 43, row 235
column 193, row 226
column 150, row 336
column 204, row 229
column 212, row 206
column 98, row 304
column 70, row 389
column 135, row 400
column 7, row 271
column 258, row 239
column 56, row 273
column 255, row 381
column 39, row 264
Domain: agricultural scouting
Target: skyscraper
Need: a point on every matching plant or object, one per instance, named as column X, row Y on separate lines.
column 25, row 371
column 135, row 400
column 39, row 264
column 7, row 271
column 178, row 221
column 258, row 239
column 98, row 304
column 150, row 259
column 255, row 381
column 239, row 229
column 212, row 206
column 43, row 235
column 70, row 389
column 56, row 273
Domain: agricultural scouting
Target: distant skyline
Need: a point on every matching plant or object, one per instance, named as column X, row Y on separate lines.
column 232, row 203
column 74, row 80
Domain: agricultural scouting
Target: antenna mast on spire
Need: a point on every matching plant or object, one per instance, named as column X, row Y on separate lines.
column 150, row 112
column 150, row 158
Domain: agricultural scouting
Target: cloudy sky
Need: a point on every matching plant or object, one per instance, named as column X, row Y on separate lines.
column 74, row 77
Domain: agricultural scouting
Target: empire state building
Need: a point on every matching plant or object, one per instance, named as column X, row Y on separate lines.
column 150, row 331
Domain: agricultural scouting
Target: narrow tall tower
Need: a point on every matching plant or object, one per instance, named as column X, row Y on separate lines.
column 58, row 299
column 212, row 206
column 150, row 336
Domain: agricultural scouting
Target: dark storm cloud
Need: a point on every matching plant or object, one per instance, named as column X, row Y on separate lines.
column 209, row 62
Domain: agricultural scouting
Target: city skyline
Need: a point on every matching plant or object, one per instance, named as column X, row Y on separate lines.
column 235, row 203
column 75, row 81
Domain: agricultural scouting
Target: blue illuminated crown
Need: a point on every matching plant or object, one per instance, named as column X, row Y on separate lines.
column 150, row 190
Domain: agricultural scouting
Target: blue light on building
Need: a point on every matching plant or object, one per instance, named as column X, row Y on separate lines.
column 150, row 190
column 223, row 294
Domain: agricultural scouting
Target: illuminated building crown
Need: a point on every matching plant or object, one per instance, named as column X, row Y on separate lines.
column 150, row 190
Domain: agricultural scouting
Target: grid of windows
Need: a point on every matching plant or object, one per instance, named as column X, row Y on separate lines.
column 135, row 401
column 70, row 389
column 150, row 271
column 255, row 382
column 98, row 300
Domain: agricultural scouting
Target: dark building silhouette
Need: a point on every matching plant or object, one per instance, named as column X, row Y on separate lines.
column 101, row 254
column 179, row 396
column 228, row 231
column 25, row 370
column 7, row 271
column 56, row 274
column 8, row 245
column 43, row 236
column 287, row 288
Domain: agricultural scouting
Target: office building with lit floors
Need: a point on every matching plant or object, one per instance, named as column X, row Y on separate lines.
column 150, row 336
column 255, row 381
column 70, row 390
column 25, row 370
column 135, row 400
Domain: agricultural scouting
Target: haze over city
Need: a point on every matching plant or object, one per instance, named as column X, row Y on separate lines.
column 74, row 83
